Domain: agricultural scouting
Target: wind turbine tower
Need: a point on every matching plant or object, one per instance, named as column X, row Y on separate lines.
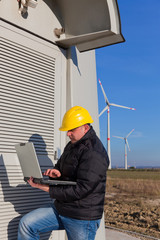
column 108, row 104
column 126, row 145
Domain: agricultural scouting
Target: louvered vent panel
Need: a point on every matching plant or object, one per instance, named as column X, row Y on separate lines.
column 17, row 199
column 27, row 87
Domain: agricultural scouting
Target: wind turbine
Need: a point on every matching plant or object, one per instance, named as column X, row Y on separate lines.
column 126, row 145
column 108, row 127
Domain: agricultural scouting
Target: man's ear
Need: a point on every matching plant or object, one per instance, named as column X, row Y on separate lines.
column 87, row 127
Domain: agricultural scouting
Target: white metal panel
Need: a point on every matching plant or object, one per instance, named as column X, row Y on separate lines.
column 30, row 109
column 27, row 98
column 16, row 199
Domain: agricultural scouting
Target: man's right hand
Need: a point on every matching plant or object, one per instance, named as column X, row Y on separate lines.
column 53, row 173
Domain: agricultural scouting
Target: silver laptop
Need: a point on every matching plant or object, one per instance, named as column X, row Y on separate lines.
column 30, row 165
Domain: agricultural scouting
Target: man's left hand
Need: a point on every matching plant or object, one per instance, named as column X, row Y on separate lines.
column 37, row 185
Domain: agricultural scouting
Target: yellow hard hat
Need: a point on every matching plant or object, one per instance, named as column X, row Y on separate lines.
column 75, row 117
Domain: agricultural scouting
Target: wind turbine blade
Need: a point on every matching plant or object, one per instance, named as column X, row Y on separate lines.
column 118, row 137
column 104, row 94
column 128, row 145
column 116, row 105
column 129, row 133
column 103, row 110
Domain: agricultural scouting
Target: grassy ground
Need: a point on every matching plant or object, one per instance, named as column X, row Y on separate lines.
column 135, row 174
column 133, row 200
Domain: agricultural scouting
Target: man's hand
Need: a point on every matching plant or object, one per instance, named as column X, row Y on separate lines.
column 53, row 173
column 37, row 185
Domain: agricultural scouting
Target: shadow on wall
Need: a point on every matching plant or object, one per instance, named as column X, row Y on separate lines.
column 74, row 58
column 39, row 144
column 23, row 197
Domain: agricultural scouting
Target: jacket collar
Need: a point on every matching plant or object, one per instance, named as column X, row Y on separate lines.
column 90, row 133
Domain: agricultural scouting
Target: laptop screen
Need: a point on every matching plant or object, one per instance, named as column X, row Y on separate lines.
column 28, row 160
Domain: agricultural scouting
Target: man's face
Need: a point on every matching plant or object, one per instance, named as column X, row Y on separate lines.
column 77, row 133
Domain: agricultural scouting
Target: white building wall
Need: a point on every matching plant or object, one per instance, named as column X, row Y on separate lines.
column 33, row 72
column 84, row 83
column 83, row 92
column 40, row 20
column 75, row 84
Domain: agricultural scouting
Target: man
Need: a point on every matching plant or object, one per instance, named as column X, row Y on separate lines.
column 77, row 209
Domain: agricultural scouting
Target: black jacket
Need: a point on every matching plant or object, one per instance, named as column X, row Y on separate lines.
column 85, row 162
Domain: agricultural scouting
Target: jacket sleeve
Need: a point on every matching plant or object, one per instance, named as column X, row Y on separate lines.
column 92, row 169
column 57, row 165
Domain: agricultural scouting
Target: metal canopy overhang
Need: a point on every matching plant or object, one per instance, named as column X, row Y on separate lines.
column 89, row 24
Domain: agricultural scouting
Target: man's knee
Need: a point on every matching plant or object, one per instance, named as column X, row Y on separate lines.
column 26, row 223
column 23, row 223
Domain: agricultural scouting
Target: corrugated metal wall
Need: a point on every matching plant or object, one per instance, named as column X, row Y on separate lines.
column 26, row 97
column 16, row 199
column 27, row 103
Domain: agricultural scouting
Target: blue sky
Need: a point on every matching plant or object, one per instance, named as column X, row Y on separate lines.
column 130, row 75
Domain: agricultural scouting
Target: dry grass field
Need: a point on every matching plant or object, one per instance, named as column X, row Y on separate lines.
column 133, row 201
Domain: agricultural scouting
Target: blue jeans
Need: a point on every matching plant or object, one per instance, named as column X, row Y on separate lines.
column 47, row 219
